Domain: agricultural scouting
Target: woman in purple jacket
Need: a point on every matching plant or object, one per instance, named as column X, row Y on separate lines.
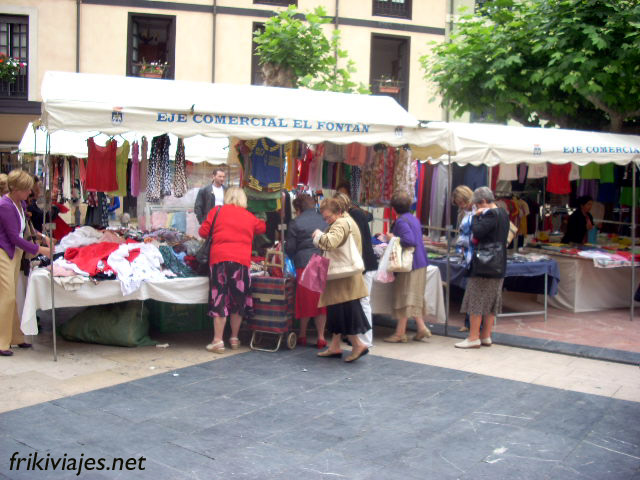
column 12, row 244
column 408, row 288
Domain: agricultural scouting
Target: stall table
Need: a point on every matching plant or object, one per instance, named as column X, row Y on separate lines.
column 382, row 296
column 530, row 277
column 587, row 288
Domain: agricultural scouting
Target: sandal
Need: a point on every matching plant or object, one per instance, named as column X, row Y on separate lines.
column 421, row 334
column 395, row 338
column 217, row 347
column 234, row 342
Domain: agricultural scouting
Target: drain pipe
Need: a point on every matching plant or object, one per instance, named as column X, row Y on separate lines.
column 336, row 25
column 214, row 12
column 78, row 3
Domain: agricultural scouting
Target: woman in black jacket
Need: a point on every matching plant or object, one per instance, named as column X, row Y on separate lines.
column 580, row 222
column 300, row 248
column 483, row 293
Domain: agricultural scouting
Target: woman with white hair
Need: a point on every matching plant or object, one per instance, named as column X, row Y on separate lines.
column 230, row 258
column 483, row 294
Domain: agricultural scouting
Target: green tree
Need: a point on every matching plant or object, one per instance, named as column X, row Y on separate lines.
column 295, row 52
column 571, row 63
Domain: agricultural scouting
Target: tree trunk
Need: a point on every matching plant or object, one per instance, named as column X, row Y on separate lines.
column 278, row 76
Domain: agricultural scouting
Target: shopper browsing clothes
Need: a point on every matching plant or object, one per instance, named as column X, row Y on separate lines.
column 483, row 294
column 13, row 221
column 408, row 287
column 362, row 219
column 230, row 257
column 461, row 198
column 342, row 296
column 580, row 222
column 210, row 196
column 300, row 248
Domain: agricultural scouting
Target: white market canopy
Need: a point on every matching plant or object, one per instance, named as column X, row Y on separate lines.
column 487, row 144
column 115, row 105
column 197, row 149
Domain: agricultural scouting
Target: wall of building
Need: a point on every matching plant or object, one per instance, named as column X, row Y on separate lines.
column 103, row 40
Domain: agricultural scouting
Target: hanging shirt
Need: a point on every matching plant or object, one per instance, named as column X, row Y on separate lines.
column 591, row 171
column 559, row 179
column 266, row 166
column 508, row 172
column 135, row 170
column 101, row 167
column 122, row 157
column 537, row 170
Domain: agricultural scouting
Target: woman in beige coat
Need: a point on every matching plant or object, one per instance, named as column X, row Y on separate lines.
column 342, row 296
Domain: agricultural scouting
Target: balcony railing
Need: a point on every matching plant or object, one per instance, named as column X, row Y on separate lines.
column 18, row 89
column 392, row 8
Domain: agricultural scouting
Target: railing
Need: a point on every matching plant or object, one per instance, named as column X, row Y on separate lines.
column 17, row 89
column 392, row 8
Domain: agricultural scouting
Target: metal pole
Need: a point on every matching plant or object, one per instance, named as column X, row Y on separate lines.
column 546, row 294
column 448, row 234
column 633, row 241
column 50, row 226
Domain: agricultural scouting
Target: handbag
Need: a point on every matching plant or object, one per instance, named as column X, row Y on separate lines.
column 344, row 261
column 400, row 259
column 383, row 275
column 489, row 261
column 314, row 275
column 202, row 256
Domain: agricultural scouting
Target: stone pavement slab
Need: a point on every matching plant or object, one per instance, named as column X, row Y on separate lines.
column 292, row 415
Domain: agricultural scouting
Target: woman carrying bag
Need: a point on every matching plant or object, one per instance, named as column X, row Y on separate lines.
column 342, row 295
column 483, row 294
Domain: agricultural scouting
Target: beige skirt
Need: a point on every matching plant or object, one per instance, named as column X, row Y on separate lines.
column 408, row 294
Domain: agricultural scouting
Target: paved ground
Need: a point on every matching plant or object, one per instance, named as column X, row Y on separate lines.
column 421, row 410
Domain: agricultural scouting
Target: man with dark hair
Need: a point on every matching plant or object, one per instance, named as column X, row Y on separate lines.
column 210, row 196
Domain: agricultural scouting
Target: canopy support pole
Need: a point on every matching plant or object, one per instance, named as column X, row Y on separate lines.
column 633, row 241
column 50, row 226
column 448, row 234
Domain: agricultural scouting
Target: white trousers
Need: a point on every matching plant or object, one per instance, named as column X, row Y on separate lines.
column 367, row 338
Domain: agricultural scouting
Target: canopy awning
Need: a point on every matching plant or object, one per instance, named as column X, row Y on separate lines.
column 117, row 104
column 197, row 149
column 487, row 144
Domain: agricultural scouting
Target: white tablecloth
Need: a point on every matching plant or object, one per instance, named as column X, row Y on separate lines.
column 382, row 296
column 176, row 290
column 585, row 288
column 182, row 290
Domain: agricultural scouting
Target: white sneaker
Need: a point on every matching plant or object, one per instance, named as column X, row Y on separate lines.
column 466, row 343
column 486, row 342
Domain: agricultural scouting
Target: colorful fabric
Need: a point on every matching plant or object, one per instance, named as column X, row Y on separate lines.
column 122, row 158
column 230, row 285
column 101, row 167
column 135, row 170
column 558, row 182
column 266, row 166
column 180, row 175
column 158, row 175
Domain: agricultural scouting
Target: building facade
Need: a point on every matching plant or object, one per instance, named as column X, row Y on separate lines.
column 206, row 40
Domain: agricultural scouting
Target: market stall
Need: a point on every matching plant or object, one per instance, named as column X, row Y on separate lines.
column 505, row 147
column 156, row 107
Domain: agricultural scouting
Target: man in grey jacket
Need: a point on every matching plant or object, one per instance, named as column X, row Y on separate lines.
column 210, row 196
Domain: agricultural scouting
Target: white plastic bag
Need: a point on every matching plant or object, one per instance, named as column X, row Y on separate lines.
column 382, row 274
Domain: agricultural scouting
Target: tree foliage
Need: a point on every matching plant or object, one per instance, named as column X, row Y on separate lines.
column 571, row 63
column 295, row 52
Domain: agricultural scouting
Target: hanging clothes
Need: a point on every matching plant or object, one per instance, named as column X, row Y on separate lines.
column 144, row 164
column 101, row 167
column 356, row 154
column 158, row 177
column 66, row 181
column 537, row 170
column 180, row 175
column 438, row 194
column 135, row 170
column 122, row 158
column 559, row 179
column 266, row 165
column 404, row 174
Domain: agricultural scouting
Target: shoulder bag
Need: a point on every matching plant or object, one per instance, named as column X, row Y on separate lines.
column 204, row 252
column 401, row 258
column 345, row 260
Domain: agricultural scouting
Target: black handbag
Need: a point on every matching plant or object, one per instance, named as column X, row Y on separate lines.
column 489, row 261
column 202, row 256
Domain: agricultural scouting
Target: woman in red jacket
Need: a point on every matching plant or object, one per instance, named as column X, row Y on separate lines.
column 233, row 230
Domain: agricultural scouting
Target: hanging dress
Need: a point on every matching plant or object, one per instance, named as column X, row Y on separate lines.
column 180, row 174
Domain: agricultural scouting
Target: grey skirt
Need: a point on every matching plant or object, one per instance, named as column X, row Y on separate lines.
column 483, row 296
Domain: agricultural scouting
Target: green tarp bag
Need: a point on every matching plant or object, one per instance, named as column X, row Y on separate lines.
column 123, row 324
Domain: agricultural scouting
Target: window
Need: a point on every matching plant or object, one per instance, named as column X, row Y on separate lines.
column 14, row 42
column 392, row 8
column 389, row 72
column 151, row 39
column 282, row 3
column 256, row 71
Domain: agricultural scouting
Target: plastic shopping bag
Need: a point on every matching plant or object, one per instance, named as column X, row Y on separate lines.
column 314, row 276
column 383, row 275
